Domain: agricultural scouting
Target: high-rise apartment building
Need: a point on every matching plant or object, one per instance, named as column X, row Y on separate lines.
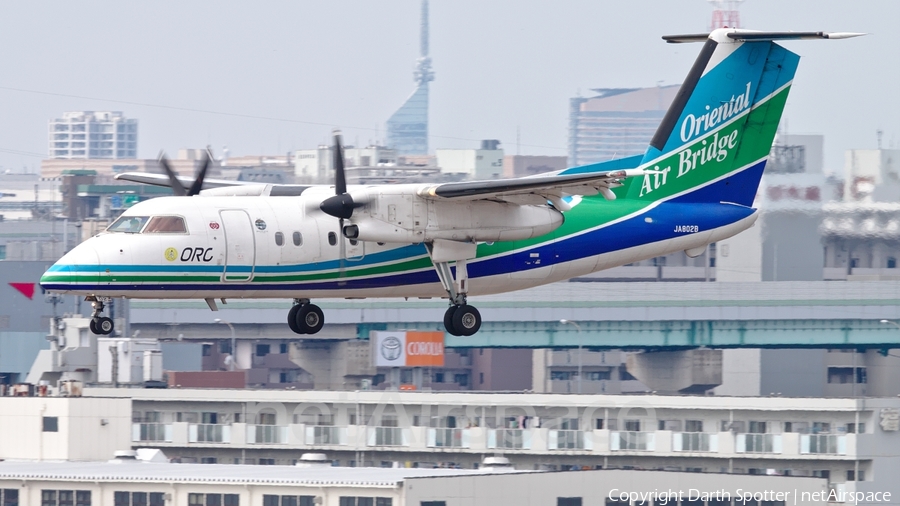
column 615, row 123
column 93, row 134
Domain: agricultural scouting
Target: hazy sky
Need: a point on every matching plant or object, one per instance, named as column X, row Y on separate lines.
column 284, row 73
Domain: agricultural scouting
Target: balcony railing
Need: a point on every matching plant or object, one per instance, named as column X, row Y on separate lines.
column 510, row 439
column 447, row 438
column 209, row 433
column 388, row 436
column 695, row 442
column 325, row 435
column 757, row 443
column 568, row 440
column 829, row 444
column 625, row 441
column 267, row 434
column 151, row 432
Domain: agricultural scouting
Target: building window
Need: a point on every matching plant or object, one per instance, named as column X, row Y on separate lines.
column 633, row 425
column 267, row 462
column 298, row 239
column 279, row 239
column 262, row 350
column 208, row 460
column 289, row 500
column 9, row 497
column 433, row 503
column 891, row 263
column 568, row 501
column 481, row 378
column 366, row 501
column 138, row 499
column 757, row 428
column 438, row 377
column 693, row 425
column 853, row 428
column 213, row 500
column 63, row 498
column 461, row 379
column 852, row 476
column 50, row 424
column 845, row 375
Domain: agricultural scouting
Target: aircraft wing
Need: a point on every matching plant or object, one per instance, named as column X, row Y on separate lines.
column 538, row 189
column 163, row 180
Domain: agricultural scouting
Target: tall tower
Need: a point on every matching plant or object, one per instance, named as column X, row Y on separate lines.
column 407, row 129
column 725, row 13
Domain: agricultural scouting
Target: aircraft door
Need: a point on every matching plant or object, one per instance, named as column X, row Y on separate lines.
column 240, row 247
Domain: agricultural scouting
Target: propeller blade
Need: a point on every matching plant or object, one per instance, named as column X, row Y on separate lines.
column 177, row 188
column 340, row 181
column 342, row 266
column 201, row 175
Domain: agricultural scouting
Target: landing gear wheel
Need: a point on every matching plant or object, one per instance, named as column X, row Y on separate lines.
column 310, row 318
column 448, row 321
column 292, row 319
column 104, row 325
column 466, row 320
column 93, row 326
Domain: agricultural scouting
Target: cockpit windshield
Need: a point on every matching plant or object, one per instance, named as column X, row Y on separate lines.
column 166, row 225
column 128, row 224
column 156, row 225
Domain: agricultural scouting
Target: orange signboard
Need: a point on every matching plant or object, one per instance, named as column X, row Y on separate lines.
column 424, row 349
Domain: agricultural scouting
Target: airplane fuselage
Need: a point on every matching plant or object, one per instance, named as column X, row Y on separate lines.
column 283, row 247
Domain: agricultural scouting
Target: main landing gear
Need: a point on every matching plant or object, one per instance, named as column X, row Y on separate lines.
column 461, row 319
column 305, row 318
column 100, row 325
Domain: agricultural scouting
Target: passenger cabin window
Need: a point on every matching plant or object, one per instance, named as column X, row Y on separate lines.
column 279, row 239
column 332, row 238
column 128, row 224
column 298, row 239
column 166, row 225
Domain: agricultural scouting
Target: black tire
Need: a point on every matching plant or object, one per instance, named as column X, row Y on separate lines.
column 448, row 321
column 105, row 325
column 292, row 319
column 466, row 320
column 310, row 318
column 93, row 326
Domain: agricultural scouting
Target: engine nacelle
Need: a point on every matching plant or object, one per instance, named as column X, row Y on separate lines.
column 404, row 216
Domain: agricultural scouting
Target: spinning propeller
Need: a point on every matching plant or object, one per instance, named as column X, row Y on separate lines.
column 177, row 188
column 341, row 205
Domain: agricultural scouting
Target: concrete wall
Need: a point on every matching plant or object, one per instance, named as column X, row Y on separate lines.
column 792, row 372
column 594, row 487
column 87, row 428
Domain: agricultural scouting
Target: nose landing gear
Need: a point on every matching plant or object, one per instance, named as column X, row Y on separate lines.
column 100, row 325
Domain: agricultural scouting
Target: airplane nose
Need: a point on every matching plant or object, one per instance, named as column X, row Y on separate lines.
column 75, row 272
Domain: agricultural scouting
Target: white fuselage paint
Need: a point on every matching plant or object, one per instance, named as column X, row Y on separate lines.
column 206, row 239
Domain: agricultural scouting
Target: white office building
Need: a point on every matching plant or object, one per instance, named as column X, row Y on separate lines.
column 92, row 135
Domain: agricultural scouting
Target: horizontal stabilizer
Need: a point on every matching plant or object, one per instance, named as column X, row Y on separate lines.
column 751, row 35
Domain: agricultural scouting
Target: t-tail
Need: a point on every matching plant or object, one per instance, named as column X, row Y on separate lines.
column 713, row 142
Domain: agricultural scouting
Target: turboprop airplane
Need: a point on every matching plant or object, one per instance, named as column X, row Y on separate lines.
column 694, row 185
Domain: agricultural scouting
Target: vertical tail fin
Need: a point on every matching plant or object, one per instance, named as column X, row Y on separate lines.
column 713, row 141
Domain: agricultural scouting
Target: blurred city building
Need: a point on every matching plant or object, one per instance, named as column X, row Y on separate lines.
column 851, row 443
column 616, row 123
column 93, row 135
column 483, row 163
column 530, row 165
column 407, row 129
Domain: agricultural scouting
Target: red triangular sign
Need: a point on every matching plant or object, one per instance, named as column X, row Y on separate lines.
column 26, row 289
